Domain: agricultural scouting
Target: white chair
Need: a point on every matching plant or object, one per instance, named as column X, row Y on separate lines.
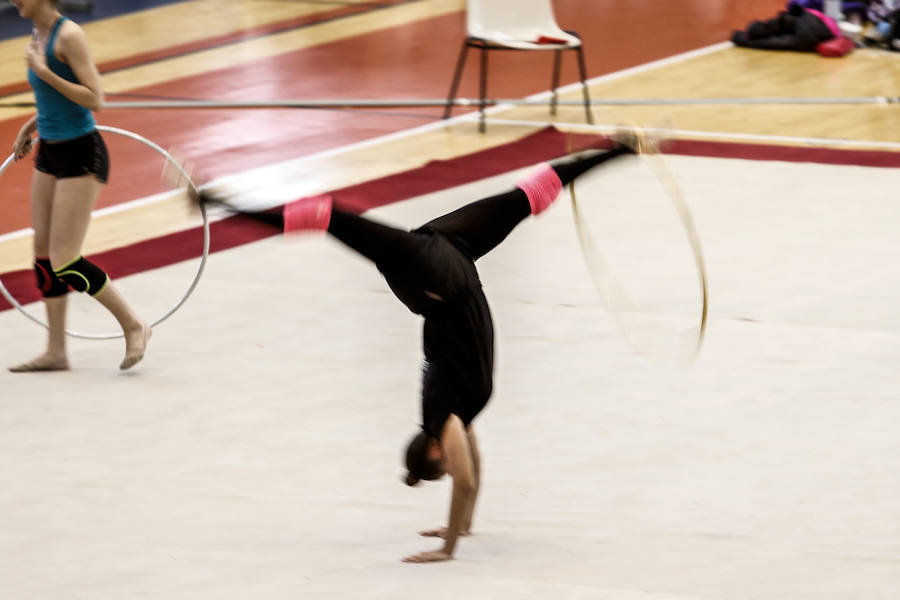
column 515, row 25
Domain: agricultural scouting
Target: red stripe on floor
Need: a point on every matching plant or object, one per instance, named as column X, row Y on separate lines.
column 432, row 177
column 828, row 156
column 151, row 254
column 234, row 231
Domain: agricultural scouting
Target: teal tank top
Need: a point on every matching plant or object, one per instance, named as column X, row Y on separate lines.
column 59, row 118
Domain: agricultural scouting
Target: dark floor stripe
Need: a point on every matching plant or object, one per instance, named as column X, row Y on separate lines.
column 432, row 177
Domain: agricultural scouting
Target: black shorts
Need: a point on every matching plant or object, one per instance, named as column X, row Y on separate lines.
column 86, row 155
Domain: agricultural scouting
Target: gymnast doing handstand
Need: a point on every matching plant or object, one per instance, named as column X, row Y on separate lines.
column 431, row 270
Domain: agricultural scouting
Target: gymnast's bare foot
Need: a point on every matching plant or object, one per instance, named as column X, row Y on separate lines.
column 136, row 339
column 44, row 362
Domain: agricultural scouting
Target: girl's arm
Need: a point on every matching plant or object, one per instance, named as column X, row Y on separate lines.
column 73, row 49
column 24, row 141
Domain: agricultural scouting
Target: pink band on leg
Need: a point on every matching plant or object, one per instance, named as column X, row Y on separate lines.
column 313, row 213
column 542, row 186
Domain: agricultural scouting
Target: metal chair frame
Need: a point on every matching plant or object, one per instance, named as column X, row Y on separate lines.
column 484, row 46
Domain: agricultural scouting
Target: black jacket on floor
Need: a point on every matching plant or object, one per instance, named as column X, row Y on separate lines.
column 796, row 29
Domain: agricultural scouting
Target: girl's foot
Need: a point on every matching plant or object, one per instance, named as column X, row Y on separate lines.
column 45, row 362
column 135, row 344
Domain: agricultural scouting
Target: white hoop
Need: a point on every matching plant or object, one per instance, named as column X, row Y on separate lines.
column 611, row 292
column 108, row 336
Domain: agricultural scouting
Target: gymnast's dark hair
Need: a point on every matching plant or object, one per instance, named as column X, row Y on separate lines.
column 419, row 465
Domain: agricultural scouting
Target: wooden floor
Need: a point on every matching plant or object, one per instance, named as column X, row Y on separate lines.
column 252, row 50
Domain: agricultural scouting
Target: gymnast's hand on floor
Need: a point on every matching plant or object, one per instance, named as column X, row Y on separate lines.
column 434, row 556
column 441, row 532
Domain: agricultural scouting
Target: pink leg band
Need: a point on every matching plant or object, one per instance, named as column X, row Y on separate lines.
column 308, row 213
column 542, row 186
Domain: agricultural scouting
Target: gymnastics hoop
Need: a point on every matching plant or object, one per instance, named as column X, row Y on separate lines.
column 605, row 282
column 187, row 177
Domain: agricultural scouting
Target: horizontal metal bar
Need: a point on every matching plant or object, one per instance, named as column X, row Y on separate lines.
column 474, row 102
column 669, row 133
column 338, row 103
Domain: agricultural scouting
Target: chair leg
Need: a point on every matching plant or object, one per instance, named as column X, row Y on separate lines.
column 482, row 85
column 582, row 71
column 457, row 75
column 557, row 60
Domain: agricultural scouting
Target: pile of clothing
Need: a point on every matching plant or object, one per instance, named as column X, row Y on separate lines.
column 799, row 28
column 807, row 26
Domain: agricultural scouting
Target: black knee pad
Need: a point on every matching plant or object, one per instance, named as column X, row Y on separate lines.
column 83, row 276
column 50, row 285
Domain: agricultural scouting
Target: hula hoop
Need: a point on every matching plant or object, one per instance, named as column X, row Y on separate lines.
column 605, row 282
column 108, row 336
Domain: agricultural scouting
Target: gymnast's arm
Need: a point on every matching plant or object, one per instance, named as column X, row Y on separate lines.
column 476, row 471
column 455, row 443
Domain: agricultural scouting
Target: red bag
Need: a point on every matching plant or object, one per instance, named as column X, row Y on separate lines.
column 836, row 47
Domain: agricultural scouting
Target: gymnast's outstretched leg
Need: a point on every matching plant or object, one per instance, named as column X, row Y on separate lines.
column 417, row 266
column 388, row 247
column 476, row 228
column 420, row 267
column 479, row 227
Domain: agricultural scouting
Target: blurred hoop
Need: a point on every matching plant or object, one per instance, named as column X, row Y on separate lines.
column 170, row 161
column 615, row 298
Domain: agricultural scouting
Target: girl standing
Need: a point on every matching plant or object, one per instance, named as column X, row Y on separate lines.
column 71, row 167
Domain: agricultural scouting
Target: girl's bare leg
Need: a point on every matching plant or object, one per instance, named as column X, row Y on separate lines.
column 43, row 187
column 73, row 202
